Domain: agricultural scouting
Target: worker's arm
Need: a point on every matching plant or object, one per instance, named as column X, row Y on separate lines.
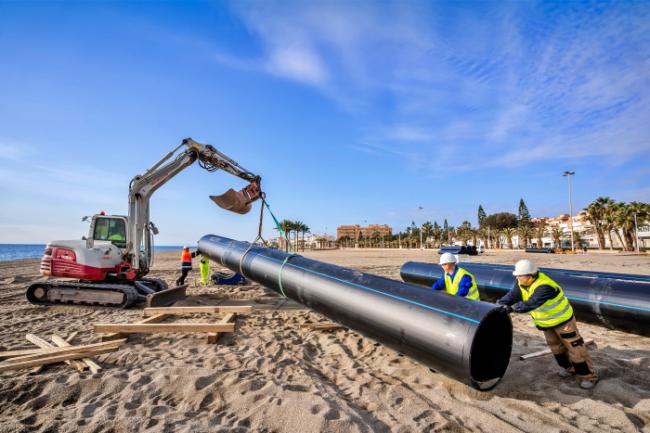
column 541, row 295
column 464, row 285
column 195, row 253
column 512, row 297
column 440, row 284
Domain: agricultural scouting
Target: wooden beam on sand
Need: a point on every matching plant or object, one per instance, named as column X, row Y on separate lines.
column 19, row 352
column 327, row 326
column 199, row 309
column 38, row 341
column 38, row 369
column 61, row 342
column 212, row 338
column 547, row 352
column 54, row 358
column 153, row 319
column 86, row 349
column 158, row 328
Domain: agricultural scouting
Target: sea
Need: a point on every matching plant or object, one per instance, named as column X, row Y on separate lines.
column 35, row 251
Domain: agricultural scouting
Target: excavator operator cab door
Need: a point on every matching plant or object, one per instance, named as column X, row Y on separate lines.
column 109, row 228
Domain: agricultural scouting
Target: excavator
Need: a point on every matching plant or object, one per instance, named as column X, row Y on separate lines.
column 109, row 266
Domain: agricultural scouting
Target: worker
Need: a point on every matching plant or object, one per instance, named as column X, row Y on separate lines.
column 204, row 266
column 117, row 237
column 186, row 264
column 101, row 229
column 552, row 313
column 456, row 280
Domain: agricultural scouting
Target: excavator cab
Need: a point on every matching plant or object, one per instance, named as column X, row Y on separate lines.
column 109, row 228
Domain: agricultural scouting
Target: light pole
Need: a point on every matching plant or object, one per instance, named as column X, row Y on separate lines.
column 568, row 175
column 420, row 208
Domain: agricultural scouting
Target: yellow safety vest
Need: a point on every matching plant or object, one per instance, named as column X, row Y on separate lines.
column 451, row 287
column 552, row 312
column 204, row 267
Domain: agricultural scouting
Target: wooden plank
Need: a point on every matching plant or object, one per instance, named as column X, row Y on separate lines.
column 153, row 319
column 53, row 359
column 61, row 342
column 86, row 348
column 35, row 339
column 547, row 352
column 38, row 369
column 158, row 328
column 327, row 326
column 199, row 309
column 212, row 338
column 19, row 352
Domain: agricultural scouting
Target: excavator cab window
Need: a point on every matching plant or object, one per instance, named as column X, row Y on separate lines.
column 111, row 229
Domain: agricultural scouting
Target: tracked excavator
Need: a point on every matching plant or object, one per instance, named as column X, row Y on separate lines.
column 109, row 266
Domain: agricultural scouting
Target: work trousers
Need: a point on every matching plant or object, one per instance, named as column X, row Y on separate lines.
column 569, row 350
column 181, row 279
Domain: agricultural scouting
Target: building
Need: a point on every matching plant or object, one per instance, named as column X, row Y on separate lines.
column 353, row 231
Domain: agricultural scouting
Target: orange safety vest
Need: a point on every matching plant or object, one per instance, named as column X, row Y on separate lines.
column 186, row 260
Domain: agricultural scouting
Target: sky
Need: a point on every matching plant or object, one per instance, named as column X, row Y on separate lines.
column 353, row 112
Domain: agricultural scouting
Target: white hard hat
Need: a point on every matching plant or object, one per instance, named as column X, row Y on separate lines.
column 525, row 267
column 185, row 247
column 447, row 258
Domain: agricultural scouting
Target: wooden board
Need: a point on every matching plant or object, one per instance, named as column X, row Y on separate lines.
column 19, row 352
column 61, row 342
column 35, row 339
column 322, row 326
column 38, row 369
column 547, row 352
column 153, row 319
column 200, row 309
column 212, row 338
column 158, row 328
column 53, row 359
column 86, row 348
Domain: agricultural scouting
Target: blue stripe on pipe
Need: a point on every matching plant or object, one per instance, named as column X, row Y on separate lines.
column 428, row 307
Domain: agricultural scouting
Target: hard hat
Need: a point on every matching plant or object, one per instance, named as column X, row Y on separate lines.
column 525, row 267
column 447, row 258
column 185, row 247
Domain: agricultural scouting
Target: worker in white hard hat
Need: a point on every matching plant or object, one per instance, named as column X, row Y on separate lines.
column 552, row 313
column 456, row 280
column 186, row 264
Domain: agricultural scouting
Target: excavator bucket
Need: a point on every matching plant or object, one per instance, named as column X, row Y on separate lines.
column 167, row 297
column 238, row 201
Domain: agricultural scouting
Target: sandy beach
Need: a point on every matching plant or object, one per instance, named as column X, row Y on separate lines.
column 271, row 375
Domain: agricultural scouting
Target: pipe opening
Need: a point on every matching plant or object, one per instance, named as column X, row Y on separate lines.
column 491, row 349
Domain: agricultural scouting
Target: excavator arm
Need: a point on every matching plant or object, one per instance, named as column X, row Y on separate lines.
column 143, row 186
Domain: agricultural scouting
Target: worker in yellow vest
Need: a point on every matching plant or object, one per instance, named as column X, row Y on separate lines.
column 204, row 266
column 186, row 264
column 552, row 313
column 456, row 280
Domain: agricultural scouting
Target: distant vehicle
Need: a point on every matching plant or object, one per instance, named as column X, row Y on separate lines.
column 458, row 249
column 480, row 249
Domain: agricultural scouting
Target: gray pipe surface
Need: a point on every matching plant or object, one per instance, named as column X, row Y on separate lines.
column 470, row 341
column 617, row 301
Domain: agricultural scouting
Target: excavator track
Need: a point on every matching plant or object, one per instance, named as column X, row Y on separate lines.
column 150, row 291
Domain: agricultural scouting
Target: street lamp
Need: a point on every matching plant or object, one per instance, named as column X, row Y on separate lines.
column 568, row 175
column 421, row 244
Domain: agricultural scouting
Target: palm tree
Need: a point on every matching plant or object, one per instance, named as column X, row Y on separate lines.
column 286, row 226
column 304, row 228
column 596, row 213
column 557, row 234
column 509, row 232
column 525, row 232
column 427, row 231
column 539, row 232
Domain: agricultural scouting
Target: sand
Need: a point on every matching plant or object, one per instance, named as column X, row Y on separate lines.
column 272, row 376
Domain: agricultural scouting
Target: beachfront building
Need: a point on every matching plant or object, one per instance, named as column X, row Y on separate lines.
column 355, row 231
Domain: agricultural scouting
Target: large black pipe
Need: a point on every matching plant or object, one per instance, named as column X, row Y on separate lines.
column 469, row 341
column 617, row 301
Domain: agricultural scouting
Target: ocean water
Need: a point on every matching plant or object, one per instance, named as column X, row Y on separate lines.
column 35, row 251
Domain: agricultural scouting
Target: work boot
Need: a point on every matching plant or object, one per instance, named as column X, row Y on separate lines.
column 565, row 373
column 587, row 384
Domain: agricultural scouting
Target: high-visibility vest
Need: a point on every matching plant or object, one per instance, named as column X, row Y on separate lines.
column 204, row 266
column 186, row 260
column 552, row 312
column 451, row 287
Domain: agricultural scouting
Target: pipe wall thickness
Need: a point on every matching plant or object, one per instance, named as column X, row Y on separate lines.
column 617, row 301
column 470, row 341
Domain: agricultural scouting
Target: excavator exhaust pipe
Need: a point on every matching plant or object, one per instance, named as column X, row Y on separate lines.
column 238, row 201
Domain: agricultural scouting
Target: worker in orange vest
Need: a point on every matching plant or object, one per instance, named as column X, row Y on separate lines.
column 186, row 264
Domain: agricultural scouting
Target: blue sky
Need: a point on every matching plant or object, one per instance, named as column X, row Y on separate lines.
column 350, row 111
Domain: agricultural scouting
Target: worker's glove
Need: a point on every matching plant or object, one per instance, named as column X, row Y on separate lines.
column 506, row 308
